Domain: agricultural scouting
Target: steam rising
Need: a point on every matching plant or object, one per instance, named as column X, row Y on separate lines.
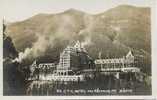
column 69, row 27
column 38, row 49
column 64, row 31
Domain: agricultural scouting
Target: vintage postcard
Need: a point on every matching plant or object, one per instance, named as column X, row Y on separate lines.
column 77, row 47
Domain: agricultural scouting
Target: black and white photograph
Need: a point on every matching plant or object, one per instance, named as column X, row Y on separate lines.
column 77, row 48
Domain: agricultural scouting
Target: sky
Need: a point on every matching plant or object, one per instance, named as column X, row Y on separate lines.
column 16, row 10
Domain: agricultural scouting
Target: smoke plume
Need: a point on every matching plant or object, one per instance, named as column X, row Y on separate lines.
column 38, row 49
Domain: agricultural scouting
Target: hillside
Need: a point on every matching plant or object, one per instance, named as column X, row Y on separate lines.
column 113, row 32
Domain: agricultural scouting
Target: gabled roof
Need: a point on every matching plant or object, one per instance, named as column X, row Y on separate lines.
column 129, row 54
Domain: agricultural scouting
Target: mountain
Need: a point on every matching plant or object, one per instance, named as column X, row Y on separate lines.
column 113, row 32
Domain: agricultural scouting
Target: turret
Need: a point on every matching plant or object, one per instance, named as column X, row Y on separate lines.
column 130, row 57
column 79, row 47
